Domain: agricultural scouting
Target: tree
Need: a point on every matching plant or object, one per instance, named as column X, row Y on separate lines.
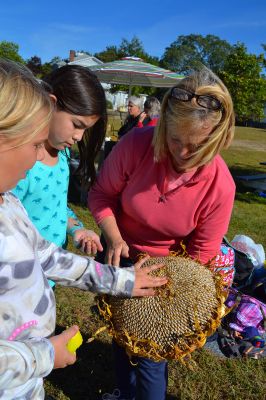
column 191, row 51
column 10, row 50
column 35, row 65
column 133, row 48
column 264, row 48
column 111, row 53
column 242, row 74
column 57, row 60
column 38, row 69
column 46, row 69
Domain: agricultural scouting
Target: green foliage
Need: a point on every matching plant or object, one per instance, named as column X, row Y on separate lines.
column 56, row 60
column 109, row 104
column 39, row 70
column 35, row 65
column 242, row 74
column 10, row 51
column 46, row 69
column 111, row 53
column 191, row 51
column 264, row 48
column 133, row 48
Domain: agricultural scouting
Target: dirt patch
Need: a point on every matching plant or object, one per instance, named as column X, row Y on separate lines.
column 249, row 144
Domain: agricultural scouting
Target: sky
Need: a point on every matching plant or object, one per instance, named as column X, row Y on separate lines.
column 51, row 28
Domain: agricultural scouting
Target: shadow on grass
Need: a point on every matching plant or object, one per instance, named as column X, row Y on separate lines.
column 238, row 171
column 92, row 374
column 243, row 191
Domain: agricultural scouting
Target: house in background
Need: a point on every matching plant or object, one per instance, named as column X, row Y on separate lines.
column 118, row 99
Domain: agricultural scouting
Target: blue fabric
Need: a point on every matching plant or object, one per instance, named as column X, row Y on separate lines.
column 44, row 195
column 147, row 380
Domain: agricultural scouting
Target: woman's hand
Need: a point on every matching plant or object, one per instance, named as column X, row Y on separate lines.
column 142, row 116
column 145, row 283
column 87, row 241
column 115, row 249
column 63, row 357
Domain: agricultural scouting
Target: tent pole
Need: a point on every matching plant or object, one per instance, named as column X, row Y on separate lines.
column 130, row 86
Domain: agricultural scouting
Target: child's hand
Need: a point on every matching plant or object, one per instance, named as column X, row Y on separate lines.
column 144, row 283
column 63, row 357
column 87, row 241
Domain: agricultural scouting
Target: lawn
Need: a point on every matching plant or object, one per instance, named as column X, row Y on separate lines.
column 92, row 376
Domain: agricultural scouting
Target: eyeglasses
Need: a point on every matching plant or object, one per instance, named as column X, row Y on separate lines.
column 205, row 101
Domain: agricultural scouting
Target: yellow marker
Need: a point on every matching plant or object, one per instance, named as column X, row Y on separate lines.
column 75, row 342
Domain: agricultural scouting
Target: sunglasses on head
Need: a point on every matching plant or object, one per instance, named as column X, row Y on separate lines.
column 205, row 101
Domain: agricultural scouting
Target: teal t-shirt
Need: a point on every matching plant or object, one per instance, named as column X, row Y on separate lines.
column 44, row 195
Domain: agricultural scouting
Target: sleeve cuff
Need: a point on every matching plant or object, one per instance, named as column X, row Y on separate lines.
column 43, row 352
column 125, row 281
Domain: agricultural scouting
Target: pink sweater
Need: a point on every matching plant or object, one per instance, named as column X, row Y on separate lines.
column 131, row 186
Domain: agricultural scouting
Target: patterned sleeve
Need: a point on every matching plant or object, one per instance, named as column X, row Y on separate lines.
column 69, row 269
column 22, row 188
column 21, row 361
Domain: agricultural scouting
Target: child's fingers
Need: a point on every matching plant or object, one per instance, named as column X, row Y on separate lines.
column 141, row 262
column 144, row 292
column 97, row 243
column 62, row 356
column 156, row 281
column 153, row 267
column 70, row 332
column 87, row 246
column 93, row 248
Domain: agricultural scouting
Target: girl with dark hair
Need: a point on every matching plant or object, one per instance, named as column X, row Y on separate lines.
column 79, row 117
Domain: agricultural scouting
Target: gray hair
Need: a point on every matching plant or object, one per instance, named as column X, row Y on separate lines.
column 137, row 101
column 152, row 107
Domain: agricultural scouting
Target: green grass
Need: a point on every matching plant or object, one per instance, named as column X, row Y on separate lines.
column 213, row 379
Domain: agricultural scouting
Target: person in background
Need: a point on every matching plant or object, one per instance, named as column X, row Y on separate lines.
column 151, row 113
column 29, row 350
column 164, row 187
column 135, row 109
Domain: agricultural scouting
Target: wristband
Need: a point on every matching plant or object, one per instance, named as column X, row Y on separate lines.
column 74, row 228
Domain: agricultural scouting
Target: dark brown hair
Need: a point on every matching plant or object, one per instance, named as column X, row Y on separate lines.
column 79, row 92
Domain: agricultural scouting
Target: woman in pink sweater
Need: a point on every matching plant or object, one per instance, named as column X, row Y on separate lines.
column 164, row 185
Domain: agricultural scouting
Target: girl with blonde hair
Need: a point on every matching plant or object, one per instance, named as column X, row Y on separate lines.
column 28, row 348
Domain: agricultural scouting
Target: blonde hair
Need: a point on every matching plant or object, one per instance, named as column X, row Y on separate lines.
column 203, row 82
column 21, row 100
